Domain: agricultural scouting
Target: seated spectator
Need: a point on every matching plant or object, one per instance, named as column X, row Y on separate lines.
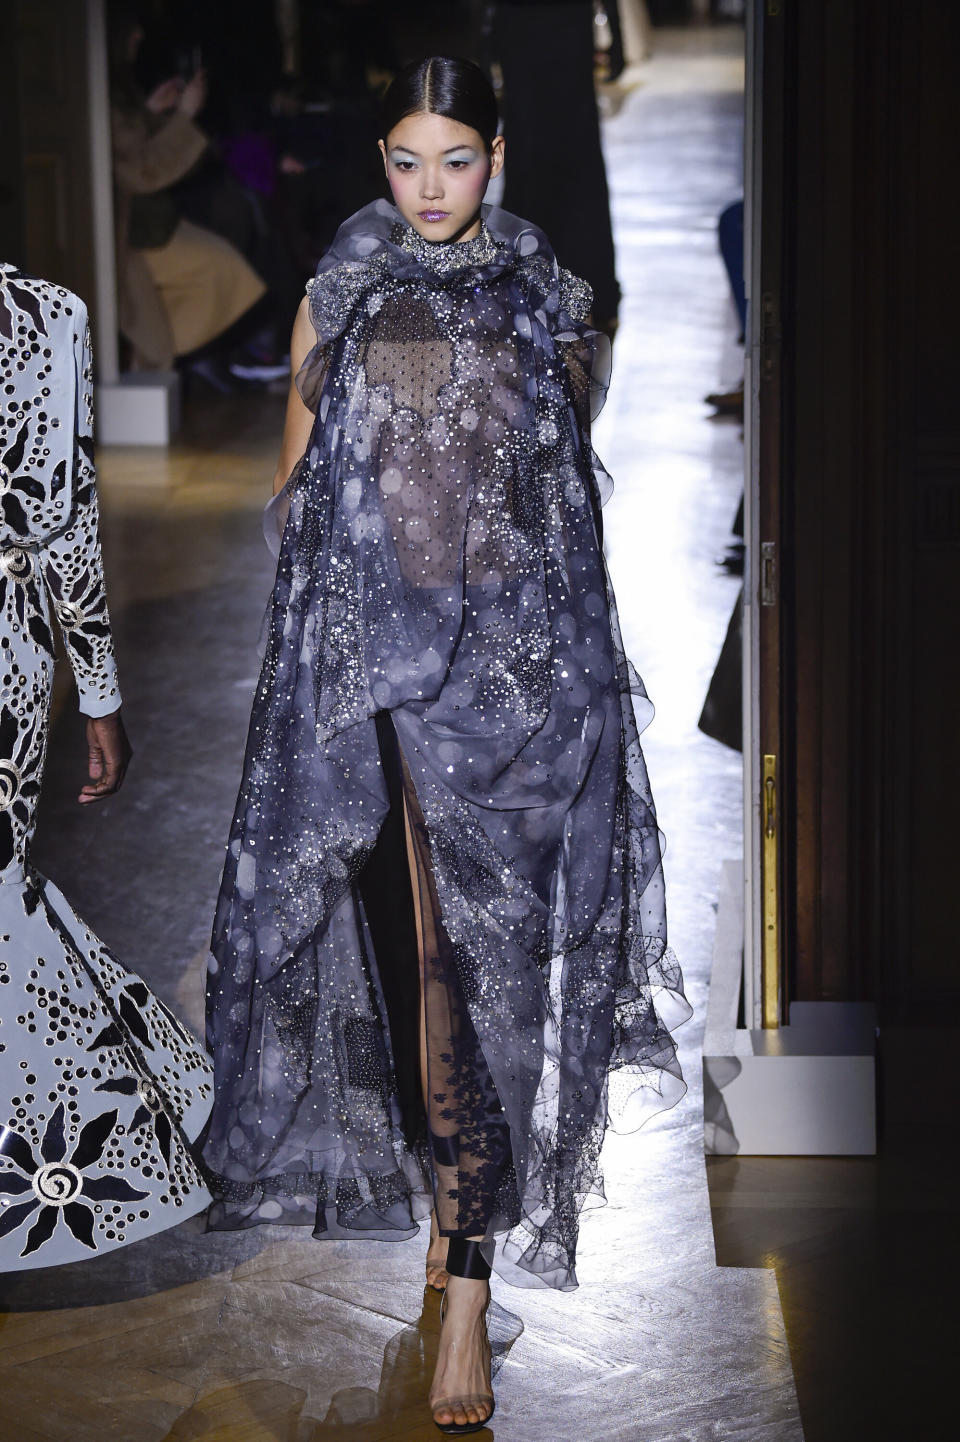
column 179, row 284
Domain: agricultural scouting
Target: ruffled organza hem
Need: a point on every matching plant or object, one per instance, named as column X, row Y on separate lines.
column 392, row 1207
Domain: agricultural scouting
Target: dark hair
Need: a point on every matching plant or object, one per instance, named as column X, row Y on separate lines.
column 123, row 18
column 442, row 85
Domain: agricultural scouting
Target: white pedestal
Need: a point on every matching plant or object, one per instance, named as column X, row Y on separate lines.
column 803, row 1089
column 141, row 409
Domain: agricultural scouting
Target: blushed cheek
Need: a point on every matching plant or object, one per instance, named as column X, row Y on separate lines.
column 474, row 186
column 401, row 187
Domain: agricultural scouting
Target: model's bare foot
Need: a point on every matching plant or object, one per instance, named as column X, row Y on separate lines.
column 437, row 1277
column 461, row 1392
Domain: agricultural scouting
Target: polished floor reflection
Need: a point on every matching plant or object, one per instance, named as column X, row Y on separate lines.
column 261, row 1335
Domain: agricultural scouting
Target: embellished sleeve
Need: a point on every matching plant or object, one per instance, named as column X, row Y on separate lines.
column 349, row 272
column 71, row 563
column 576, row 295
column 313, row 372
column 333, row 295
column 586, row 352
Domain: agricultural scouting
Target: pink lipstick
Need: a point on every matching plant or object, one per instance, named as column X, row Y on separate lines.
column 434, row 215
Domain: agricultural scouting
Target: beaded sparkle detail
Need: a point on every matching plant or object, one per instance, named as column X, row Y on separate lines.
column 447, row 258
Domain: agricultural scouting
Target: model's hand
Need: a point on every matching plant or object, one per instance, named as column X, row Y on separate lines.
column 194, row 95
column 108, row 756
column 166, row 96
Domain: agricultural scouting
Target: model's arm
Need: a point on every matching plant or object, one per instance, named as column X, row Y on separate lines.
column 299, row 418
column 73, row 573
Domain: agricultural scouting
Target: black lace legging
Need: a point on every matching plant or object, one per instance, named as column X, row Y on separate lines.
column 469, row 1139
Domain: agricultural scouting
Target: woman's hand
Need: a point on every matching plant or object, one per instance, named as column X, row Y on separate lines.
column 108, row 753
column 194, row 94
column 167, row 96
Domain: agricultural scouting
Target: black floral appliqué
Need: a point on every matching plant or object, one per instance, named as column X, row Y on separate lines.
column 82, row 612
column 151, row 1109
column 55, row 1183
column 18, row 297
column 20, row 763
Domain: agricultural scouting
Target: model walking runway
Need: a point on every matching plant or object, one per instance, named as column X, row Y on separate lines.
column 441, row 567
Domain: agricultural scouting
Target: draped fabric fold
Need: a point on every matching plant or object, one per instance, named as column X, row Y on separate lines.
column 440, row 565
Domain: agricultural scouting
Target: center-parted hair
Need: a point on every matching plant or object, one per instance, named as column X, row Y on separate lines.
column 442, row 85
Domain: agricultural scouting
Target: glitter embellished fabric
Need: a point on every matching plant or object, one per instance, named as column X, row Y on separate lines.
column 101, row 1088
column 443, row 682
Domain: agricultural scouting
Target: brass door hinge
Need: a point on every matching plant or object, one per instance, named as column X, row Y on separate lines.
column 770, row 335
column 770, row 957
column 768, row 573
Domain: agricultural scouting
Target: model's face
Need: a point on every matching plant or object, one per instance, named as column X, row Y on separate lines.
column 438, row 171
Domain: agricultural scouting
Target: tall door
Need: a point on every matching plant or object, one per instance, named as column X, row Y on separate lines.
column 766, row 787
column 853, row 509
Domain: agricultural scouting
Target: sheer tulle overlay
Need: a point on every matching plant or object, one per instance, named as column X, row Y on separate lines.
column 442, row 645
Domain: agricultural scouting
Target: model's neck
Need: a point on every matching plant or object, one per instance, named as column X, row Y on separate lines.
column 471, row 231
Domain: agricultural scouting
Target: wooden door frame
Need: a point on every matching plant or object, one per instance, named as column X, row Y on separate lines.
column 765, row 775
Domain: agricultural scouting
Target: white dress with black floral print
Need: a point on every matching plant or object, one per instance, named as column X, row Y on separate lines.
column 101, row 1088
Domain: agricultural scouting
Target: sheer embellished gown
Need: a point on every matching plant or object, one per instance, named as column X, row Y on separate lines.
column 443, row 662
column 101, row 1088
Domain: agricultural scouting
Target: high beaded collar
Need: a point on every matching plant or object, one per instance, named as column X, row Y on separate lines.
column 446, row 258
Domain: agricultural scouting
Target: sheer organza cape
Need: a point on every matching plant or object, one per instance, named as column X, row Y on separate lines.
column 440, row 565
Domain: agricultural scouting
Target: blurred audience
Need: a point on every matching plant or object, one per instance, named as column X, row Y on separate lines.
column 220, row 227
column 180, row 285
